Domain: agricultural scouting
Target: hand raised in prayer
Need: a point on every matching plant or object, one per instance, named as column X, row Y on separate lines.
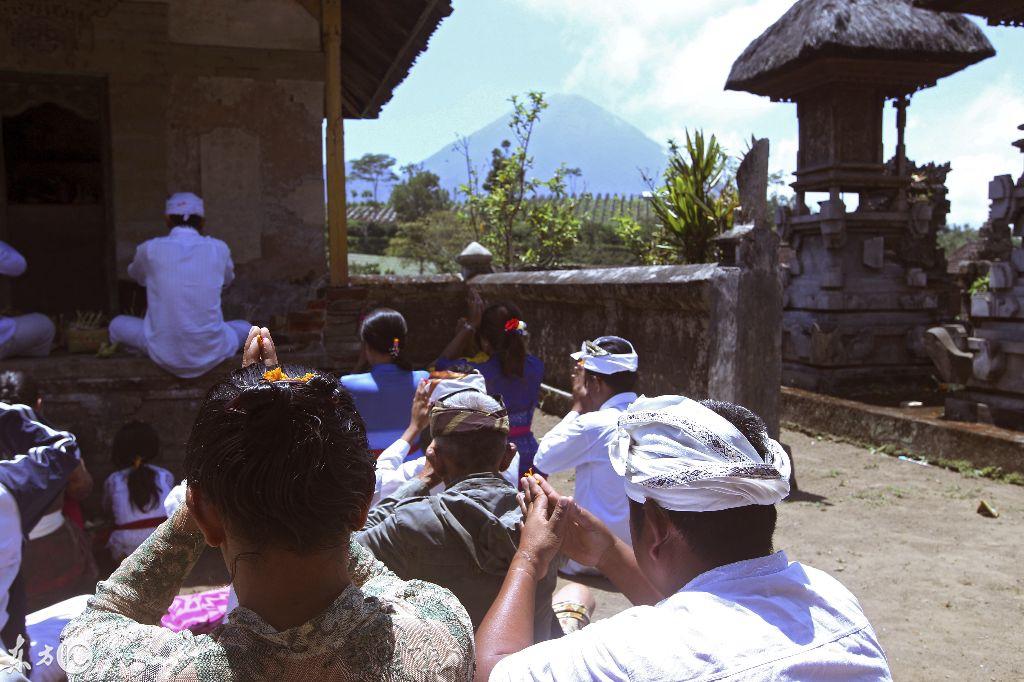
column 476, row 308
column 259, row 347
column 587, row 538
column 579, row 389
column 420, row 417
column 545, row 524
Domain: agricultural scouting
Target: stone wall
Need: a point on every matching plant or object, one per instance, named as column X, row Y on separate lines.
column 430, row 305
column 700, row 330
column 93, row 398
column 220, row 97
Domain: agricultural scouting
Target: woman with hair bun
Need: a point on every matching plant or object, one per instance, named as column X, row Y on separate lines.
column 510, row 370
column 279, row 477
column 384, row 394
column 133, row 495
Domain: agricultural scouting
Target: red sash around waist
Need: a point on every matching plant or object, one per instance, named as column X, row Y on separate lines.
column 519, row 431
column 142, row 523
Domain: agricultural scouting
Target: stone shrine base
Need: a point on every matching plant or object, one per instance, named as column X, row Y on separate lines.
column 920, row 431
column 93, row 397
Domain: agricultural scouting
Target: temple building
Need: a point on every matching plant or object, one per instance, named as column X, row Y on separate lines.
column 982, row 358
column 865, row 282
column 106, row 106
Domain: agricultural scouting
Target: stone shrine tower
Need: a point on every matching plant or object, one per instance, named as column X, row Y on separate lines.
column 862, row 285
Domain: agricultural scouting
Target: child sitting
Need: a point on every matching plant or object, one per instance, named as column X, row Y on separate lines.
column 133, row 496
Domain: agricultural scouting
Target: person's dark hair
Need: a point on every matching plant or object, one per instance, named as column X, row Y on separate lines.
column 18, row 388
column 135, row 444
column 384, row 330
column 478, row 451
column 620, row 382
column 285, row 463
column 746, row 422
column 728, row 535
column 509, row 346
column 194, row 221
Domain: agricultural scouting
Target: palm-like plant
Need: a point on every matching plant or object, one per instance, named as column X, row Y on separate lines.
column 698, row 198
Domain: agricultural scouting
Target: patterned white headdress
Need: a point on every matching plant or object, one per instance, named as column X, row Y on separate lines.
column 473, row 381
column 598, row 360
column 185, row 204
column 685, row 457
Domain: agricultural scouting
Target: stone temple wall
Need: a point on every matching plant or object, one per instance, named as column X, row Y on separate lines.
column 220, row 97
column 700, row 330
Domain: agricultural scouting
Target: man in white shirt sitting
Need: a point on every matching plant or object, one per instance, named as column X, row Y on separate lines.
column 717, row 602
column 604, row 384
column 31, row 335
column 184, row 331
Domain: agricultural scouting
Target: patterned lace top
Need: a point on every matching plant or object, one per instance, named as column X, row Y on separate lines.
column 379, row 628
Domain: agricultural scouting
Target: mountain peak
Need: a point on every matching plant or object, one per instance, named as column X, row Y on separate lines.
column 609, row 151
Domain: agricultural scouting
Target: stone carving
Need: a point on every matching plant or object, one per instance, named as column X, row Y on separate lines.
column 984, row 358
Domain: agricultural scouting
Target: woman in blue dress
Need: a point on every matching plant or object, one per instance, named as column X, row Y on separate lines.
column 510, row 371
column 384, row 395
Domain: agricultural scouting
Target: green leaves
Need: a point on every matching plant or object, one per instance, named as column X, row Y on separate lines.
column 522, row 220
column 693, row 206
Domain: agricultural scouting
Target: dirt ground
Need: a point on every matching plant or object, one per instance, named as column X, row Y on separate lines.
column 942, row 585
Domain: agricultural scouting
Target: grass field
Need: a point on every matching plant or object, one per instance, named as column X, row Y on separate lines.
column 362, row 263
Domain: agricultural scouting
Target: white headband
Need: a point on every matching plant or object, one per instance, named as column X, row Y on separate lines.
column 597, row 359
column 446, row 387
column 685, row 457
column 185, row 204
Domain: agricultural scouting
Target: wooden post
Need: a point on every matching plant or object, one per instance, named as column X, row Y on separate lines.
column 337, row 229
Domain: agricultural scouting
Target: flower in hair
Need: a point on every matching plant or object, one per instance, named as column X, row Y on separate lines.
column 515, row 326
column 396, row 346
column 277, row 374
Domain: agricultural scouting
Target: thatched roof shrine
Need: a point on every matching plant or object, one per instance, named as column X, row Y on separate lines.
column 888, row 44
column 997, row 12
column 380, row 43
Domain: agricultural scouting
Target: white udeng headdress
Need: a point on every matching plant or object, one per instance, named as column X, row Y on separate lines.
column 473, row 381
column 185, row 204
column 597, row 359
column 685, row 457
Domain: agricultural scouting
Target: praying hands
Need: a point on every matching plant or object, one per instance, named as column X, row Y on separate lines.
column 259, row 347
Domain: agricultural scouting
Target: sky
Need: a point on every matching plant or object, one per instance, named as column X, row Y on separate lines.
column 662, row 66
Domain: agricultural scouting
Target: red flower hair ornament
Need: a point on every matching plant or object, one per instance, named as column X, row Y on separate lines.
column 515, row 326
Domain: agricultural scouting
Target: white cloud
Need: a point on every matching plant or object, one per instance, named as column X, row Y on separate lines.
column 662, row 64
column 974, row 136
column 662, row 56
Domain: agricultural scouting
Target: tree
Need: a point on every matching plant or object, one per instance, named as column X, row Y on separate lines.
column 418, row 195
column 374, row 169
column 524, row 221
column 693, row 206
column 436, row 239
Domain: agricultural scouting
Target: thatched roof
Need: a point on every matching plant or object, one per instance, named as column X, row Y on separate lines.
column 380, row 41
column 998, row 12
column 887, row 43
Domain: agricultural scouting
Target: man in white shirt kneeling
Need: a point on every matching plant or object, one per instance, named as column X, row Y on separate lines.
column 715, row 600
column 184, row 331
column 604, row 384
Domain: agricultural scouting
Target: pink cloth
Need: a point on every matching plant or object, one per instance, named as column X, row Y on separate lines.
column 200, row 612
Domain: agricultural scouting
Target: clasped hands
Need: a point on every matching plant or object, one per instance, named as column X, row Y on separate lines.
column 552, row 522
column 259, row 347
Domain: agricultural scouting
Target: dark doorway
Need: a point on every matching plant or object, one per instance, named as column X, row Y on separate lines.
column 56, row 209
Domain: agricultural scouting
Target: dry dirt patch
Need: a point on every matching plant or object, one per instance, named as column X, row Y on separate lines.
column 942, row 585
